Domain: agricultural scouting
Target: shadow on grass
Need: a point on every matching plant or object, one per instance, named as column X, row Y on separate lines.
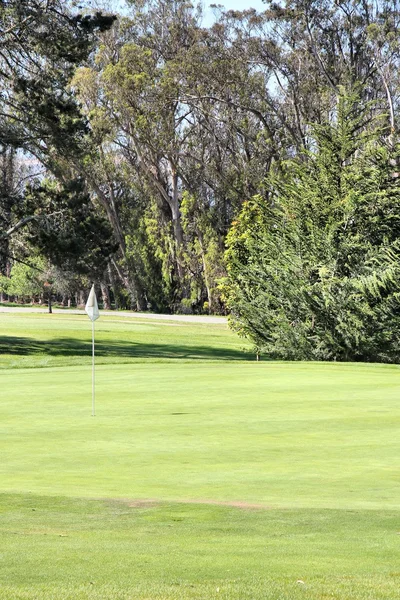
column 24, row 346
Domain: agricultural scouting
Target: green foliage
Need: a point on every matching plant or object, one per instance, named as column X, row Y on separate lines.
column 196, row 118
column 203, row 253
column 70, row 232
column 4, row 284
column 314, row 264
column 173, row 125
column 39, row 112
column 27, row 282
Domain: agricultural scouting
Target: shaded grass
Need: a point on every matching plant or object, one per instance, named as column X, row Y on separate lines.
column 47, row 340
column 70, row 347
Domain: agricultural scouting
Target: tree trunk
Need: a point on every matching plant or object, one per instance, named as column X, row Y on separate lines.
column 205, row 271
column 130, row 280
column 105, row 294
column 134, row 288
column 176, row 218
column 113, row 285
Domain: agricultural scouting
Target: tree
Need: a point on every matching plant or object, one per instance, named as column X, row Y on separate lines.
column 313, row 265
column 130, row 97
column 12, row 177
column 162, row 139
column 27, row 282
column 41, row 42
column 76, row 237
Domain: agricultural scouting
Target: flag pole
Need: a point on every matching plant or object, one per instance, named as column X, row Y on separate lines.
column 92, row 311
column 93, row 376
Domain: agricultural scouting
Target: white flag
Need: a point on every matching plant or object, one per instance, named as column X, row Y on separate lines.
column 91, row 308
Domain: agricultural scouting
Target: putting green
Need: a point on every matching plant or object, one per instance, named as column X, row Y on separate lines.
column 276, row 434
column 203, row 475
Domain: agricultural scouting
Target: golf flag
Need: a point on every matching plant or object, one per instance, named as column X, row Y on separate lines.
column 91, row 308
column 92, row 311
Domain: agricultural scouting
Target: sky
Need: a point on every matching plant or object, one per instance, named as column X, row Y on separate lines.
column 231, row 5
column 228, row 4
column 239, row 4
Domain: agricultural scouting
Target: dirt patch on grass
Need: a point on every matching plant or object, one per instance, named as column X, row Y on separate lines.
column 135, row 503
column 151, row 503
column 230, row 504
column 143, row 503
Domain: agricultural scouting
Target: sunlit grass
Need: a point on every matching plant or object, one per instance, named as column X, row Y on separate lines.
column 204, row 474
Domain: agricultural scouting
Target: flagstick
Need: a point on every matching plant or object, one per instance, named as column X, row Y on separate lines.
column 93, row 381
column 92, row 311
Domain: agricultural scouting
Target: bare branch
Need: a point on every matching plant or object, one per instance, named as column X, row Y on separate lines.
column 6, row 234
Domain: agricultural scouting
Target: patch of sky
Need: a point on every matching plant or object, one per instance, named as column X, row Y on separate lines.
column 209, row 13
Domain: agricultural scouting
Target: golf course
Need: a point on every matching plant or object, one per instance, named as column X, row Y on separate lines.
column 205, row 474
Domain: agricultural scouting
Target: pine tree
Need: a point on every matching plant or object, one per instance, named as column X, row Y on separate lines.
column 314, row 264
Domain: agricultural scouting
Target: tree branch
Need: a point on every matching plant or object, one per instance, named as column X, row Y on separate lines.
column 6, row 234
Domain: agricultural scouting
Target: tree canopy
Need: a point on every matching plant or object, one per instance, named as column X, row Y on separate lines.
column 313, row 265
column 41, row 124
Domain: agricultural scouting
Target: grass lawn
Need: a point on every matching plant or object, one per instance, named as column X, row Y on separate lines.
column 203, row 475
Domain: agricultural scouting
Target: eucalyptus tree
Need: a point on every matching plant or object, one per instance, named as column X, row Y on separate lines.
column 190, row 122
column 314, row 47
column 168, row 137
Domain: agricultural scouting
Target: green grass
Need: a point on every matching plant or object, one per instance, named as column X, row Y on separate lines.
column 203, row 475
column 43, row 340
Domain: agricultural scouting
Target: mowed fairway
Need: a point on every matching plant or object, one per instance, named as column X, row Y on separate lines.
column 204, row 474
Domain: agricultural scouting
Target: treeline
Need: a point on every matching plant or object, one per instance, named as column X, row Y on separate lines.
column 133, row 146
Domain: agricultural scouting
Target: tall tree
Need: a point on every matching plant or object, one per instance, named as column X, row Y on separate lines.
column 313, row 266
column 41, row 43
column 145, row 99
